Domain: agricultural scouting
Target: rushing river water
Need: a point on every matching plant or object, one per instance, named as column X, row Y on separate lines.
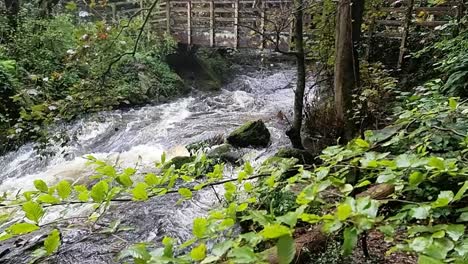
column 139, row 136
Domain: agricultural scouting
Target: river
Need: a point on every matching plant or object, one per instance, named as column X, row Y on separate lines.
column 139, row 136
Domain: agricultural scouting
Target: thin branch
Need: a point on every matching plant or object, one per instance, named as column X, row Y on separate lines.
column 137, row 41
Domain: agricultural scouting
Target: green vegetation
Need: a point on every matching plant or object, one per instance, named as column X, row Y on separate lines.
column 57, row 68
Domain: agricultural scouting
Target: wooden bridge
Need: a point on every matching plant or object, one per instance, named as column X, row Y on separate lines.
column 267, row 24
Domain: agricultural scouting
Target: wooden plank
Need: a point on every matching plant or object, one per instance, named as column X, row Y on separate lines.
column 168, row 16
column 236, row 24
column 262, row 26
column 404, row 37
column 418, row 23
column 212, row 24
column 189, row 22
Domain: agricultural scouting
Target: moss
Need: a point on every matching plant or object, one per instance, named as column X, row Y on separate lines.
column 253, row 133
column 178, row 162
column 225, row 153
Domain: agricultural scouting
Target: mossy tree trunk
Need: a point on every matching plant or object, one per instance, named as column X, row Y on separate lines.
column 294, row 132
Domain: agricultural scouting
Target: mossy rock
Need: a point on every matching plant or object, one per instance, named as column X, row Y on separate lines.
column 303, row 156
column 226, row 153
column 251, row 134
column 178, row 162
column 205, row 143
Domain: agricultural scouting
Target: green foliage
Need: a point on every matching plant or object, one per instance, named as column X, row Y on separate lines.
column 57, row 68
column 370, row 101
column 450, row 58
column 52, row 242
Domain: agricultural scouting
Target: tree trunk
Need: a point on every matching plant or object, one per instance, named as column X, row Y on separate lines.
column 357, row 12
column 348, row 34
column 294, row 132
column 12, row 9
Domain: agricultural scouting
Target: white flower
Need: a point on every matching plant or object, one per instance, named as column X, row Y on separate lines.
column 71, row 52
column 45, row 79
column 83, row 14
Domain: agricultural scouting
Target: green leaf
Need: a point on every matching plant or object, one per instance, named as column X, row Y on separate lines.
column 125, row 180
column 423, row 259
column 286, row 249
column 420, row 212
column 200, row 225
column 361, row 143
column 243, row 254
column 48, row 199
column 344, row 211
column 437, row 163
column 210, row 259
column 52, row 242
column 186, row 193
column 21, row 228
column 420, row 244
column 99, row 191
column 139, row 192
column 453, row 104
column 137, row 251
column 41, row 185
column 439, row 248
column 221, row 248
column 444, row 198
column 198, row 253
column 83, row 193
column 416, row 178
column 463, row 217
column 455, row 232
column 385, row 177
column 64, row 189
column 248, row 168
column 5, row 236
column 248, row 187
column 107, row 170
column 151, row 179
column 275, row 231
column 350, row 240
column 168, row 247
column 33, row 211
column 461, row 192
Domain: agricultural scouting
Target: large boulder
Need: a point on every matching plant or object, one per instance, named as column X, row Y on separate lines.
column 226, row 153
column 251, row 134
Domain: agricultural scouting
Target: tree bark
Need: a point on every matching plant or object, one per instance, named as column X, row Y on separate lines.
column 348, row 35
column 294, row 133
column 357, row 12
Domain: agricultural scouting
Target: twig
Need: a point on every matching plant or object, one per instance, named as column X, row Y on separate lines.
column 137, row 41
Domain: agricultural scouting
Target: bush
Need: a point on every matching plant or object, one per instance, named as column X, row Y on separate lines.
column 64, row 67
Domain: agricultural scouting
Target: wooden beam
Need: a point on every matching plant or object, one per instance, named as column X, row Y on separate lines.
column 189, row 22
column 168, row 16
column 262, row 26
column 236, row 24
column 212, row 24
column 404, row 37
column 370, row 36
